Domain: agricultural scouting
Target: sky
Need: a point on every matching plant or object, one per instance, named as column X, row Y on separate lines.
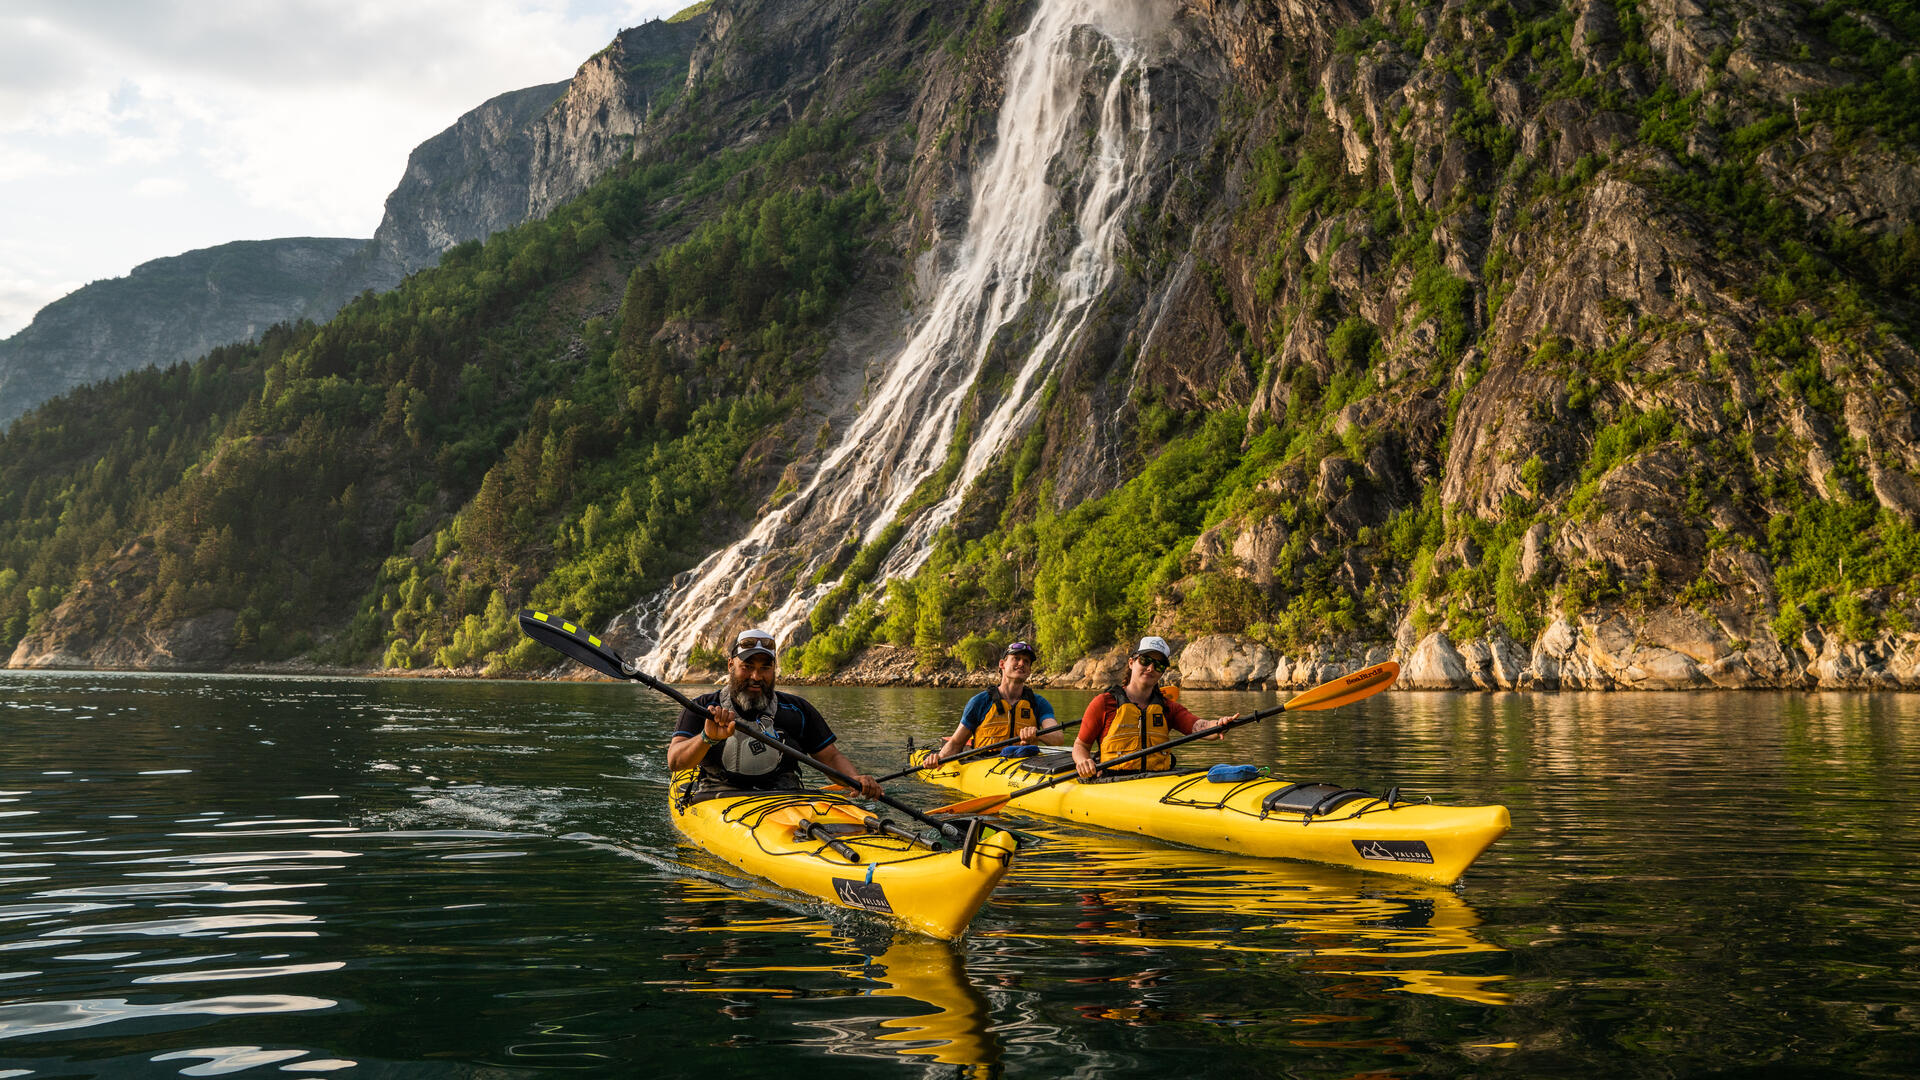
column 136, row 129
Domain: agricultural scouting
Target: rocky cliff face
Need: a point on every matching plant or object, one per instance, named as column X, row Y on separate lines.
column 1572, row 342
column 1646, row 433
column 605, row 108
column 90, row 628
column 519, row 155
column 465, row 183
column 165, row 312
column 1582, row 322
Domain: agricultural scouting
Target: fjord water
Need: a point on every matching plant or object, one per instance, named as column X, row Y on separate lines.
column 249, row 876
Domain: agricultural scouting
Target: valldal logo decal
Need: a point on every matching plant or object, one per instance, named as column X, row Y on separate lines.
column 866, row 895
column 1394, row 850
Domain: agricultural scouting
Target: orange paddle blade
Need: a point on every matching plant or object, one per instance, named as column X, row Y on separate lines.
column 985, row 804
column 1347, row 689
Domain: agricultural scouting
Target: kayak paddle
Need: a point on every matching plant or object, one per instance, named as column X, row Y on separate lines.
column 1328, row 695
column 566, row 638
column 978, row 751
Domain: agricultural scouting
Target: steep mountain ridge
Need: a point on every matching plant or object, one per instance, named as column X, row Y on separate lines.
column 521, row 154
column 166, row 311
column 511, row 159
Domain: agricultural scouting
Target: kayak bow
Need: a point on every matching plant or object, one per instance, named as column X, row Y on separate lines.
column 833, row 849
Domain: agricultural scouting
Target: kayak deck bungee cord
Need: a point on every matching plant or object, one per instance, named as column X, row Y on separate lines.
column 833, row 849
column 1264, row 817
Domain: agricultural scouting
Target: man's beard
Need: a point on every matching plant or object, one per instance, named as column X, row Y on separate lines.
column 748, row 697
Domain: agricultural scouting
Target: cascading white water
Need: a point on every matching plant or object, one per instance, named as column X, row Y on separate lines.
column 903, row 433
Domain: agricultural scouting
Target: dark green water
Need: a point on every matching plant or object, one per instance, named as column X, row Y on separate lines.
column 236, row 876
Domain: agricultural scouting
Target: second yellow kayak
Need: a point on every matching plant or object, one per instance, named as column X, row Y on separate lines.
column 1262, row 817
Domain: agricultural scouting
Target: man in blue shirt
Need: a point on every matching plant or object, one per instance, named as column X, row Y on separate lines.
column 1004, row 712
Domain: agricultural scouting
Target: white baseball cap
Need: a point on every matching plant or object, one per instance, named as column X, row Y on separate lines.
column 754, row 642
column 1154, row 645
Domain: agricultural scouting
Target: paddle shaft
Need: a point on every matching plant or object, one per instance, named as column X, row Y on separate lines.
column 567, row 639
column 1330, row 694
column 1160, row 749
column 768, row 738
column 977, row 751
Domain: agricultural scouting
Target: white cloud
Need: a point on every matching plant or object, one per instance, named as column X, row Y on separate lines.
column 24, row 161
column 159, row 187
column 242, row 120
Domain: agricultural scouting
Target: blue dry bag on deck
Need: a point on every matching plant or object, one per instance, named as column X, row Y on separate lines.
column 1232, row 774
column 1019, row 751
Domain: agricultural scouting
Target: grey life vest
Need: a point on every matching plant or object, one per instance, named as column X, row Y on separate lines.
column 742, row 754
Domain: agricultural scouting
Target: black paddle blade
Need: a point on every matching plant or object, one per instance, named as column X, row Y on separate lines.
column 562, row 636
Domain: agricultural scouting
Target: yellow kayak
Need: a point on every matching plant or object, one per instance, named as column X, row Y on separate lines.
column 833, row 849
column 1262, row 817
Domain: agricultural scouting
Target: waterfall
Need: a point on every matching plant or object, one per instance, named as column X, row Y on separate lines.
column 904, row 432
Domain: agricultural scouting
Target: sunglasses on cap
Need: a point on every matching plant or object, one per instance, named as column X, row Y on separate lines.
column 753, row 644
column 1021, row 648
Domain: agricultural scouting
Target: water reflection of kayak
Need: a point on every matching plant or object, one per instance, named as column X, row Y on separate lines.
column 1132, row 893
column 831, row 848
column 1261, row 817
column 958, row 1030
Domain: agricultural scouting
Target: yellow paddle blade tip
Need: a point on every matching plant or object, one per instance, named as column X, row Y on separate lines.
column 1384, row 671
column 1347, row 688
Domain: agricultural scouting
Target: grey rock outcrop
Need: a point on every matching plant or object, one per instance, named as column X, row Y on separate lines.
column 1435, row 665
column 1671, row 648
column 465, row 183
column 1224, row 662
column 87, row 629
column 519, row 155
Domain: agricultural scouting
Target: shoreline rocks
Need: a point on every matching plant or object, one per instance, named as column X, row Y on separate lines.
column 1670, row 649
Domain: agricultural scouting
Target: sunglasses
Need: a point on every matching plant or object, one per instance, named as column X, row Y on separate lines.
column 1152, row 660
column 745, row 644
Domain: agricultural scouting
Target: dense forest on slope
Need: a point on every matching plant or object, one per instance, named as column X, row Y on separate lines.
column 1488, row 316
column 566, row 404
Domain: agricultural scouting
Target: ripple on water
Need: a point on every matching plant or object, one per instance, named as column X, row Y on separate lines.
column 43, row 1017
column 1671, row 871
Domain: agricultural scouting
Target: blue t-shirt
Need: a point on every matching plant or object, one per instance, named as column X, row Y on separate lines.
column 976, row 710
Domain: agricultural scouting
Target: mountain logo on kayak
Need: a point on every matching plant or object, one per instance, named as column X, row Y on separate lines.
column 1394, row 850
column 864, row 895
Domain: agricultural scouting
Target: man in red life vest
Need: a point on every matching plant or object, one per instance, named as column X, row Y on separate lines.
column 1137, row 715
column 1005, row 711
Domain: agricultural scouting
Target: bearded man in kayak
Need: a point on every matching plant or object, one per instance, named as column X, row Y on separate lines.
column 1136, row 715
column 1004, row 712
column 735, row 761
